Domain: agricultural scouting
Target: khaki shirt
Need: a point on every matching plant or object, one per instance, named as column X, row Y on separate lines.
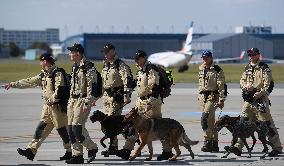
column 45, row 81
column 82, row 81
column 146, row 82
column 210, row 80
column 113, row 76
column 256, row 77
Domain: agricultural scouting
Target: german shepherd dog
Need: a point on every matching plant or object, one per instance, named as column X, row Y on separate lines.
column 243, row 128
column 112, row 126
column 150, row 129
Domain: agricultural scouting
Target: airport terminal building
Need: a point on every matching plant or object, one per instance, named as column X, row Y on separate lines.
column 127, row 44
column 25, row 38
column 222, row 45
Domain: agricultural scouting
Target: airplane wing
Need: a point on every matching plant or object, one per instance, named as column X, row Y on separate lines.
column 196, row 59
column 271, row 60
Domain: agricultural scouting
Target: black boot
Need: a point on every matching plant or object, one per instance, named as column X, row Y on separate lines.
column 235, row 150
column 67, row 156
column 27, row 153
column 92, row 155
column 274, row 153
column 123, row 153
column 76, row 160
column 112, row 150
column 165, row 155
column 227, row 148
column 215, row 147
column 207, row 147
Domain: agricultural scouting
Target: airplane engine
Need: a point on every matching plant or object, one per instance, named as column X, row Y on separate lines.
column 183, row 68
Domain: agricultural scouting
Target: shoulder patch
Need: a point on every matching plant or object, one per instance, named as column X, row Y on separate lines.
column 217, row 68
column 89, row 65
column 263, row 65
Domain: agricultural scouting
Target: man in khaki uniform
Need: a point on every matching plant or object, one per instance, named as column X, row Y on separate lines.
column 118, row 86
column 211, row 95
column 257, row 78
column 82, row 95
column 148, row 101
column 52, row 114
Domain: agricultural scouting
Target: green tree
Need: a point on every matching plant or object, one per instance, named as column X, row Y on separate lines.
column 14, row 49
column 41, row 45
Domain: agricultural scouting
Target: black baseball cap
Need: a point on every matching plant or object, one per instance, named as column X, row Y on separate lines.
column 253, row 51
column 206, row 53
column 47, row 56
column 76, row 47
column 140, row 53
column 107, row 48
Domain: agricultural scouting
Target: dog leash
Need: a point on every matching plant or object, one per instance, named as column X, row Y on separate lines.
column 217, row 106
column 124, row 104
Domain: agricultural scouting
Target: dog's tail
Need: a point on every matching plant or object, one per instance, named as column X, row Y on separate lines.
column 186, row 140
column 102, row 141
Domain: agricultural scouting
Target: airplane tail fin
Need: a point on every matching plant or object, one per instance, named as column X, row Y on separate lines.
column 261, row 57
column 187, row 44
column 242, row 55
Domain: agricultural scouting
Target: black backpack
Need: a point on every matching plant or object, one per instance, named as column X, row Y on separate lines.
column 264, row 66
column 63, row 91
column 218, row 69
column 131, row 82
column 165, row 82
column 97, row 88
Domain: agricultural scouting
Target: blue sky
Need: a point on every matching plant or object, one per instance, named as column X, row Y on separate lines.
column 140, row 16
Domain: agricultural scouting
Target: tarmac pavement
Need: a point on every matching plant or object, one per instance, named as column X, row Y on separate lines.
column 20, row 112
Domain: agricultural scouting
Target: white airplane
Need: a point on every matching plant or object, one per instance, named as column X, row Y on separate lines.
column 181, row 59
column 177, row 59
column 197, row 59
column 271, row 60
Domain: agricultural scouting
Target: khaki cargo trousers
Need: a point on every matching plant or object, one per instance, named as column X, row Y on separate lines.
column 54, row 118
column 77, row 117
column 154, row 112
column 252, row 112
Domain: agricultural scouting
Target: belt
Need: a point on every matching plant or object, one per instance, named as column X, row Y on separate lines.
column 209, row 92
column 148, row 96
column 78, row 96
column 111, row 91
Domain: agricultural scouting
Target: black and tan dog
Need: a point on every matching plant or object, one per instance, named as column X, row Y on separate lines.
column 112, row 126
column 168, row 130
column 243, row 128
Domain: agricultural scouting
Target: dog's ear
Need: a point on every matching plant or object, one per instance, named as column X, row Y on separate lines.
column 95, row 112
column 135, row 110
